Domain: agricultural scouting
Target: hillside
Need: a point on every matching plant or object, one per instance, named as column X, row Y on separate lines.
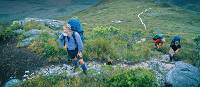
column 114, row 32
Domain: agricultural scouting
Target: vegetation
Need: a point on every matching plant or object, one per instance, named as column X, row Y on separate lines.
column 133, row 78
column 129, row 78
column 107, row 39
column 162, row 18
column 6, row 32
column 34, row 25
column 48, row 48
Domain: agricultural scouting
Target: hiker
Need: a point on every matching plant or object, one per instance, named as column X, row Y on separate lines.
column 174, row 47
column 73, row 42
column 158, row 40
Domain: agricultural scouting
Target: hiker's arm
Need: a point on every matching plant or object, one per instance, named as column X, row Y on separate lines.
column 65, row 47
column 179, row 47
column 177, row 50
column 172, row 50
column 79, row 42
column 61, row 41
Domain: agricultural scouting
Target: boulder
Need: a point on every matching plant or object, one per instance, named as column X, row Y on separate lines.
column 12, row 83
column 32, row 32
column 183, row 75
column 27, row 41
column 19, row 31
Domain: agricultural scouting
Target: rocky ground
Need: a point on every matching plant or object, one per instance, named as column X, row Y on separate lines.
column 167, row 73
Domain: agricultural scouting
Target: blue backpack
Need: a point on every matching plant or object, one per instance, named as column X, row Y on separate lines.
column 76, row 26
column 175, row 39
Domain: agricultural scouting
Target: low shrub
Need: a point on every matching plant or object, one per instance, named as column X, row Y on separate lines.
column 133, row 78
column 7, row 31
column 99, row 49
column 47, row 47
column 62, row 81
column 106, row 32
column 34, row 25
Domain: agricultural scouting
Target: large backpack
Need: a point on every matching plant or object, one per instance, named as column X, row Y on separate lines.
column 76, row 27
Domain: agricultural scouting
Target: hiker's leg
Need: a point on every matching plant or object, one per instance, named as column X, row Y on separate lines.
column 72, row 54
column 83, row 65
column 75, row 61
column 171, row 54
column 159, row 45
column 156, row 45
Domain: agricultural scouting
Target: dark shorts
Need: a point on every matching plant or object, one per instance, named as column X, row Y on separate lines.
column 72, row 53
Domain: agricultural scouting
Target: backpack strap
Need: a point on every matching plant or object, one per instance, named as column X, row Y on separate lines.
column 64, row 40
column 74, row 37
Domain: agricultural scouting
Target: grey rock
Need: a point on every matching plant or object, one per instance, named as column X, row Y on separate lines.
column 160, row 68
column 165, row 58
column 53, row 24
column 183, row 75
column 12, row 83
column 27, row 41
column 19, row 31
column 32, row 32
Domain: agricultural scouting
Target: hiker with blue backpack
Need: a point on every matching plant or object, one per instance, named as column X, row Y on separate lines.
column 72, row 40
column 174, row 47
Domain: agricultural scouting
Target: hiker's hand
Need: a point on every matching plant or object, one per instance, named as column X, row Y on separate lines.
column 80, row 54
column 65, row 47
column 65, row 34
column 177, row 51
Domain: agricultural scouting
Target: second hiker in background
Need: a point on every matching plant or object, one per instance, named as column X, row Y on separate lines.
column 158, row 39
column 174, row 47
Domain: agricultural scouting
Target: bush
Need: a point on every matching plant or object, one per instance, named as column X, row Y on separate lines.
column 7, row 32
column 62, row 81
column 133, row 78
column 34, row 25
column 106, row 32
column 15, row 25
column 100, row 49
column 42, row 81
column 138, row 54
column 47, row 47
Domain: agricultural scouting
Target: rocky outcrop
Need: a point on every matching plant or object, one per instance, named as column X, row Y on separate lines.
column 12, row 83
column 29, row 37
column 53, row 24
column 183, row 75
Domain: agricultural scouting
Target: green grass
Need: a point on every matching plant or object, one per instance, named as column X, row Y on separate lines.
column 34, row 25
column 6, row 32
column 167, row 19
column 117, row 41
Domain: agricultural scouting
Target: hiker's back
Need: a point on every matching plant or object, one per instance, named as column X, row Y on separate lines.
column 176, row 39
column 76, row 26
